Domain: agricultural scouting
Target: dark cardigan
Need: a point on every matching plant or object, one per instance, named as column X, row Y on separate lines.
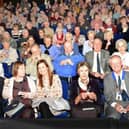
column 92, row 87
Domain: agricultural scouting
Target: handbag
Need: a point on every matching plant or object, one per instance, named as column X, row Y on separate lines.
column 14, row 109
column 85, row 110
column 60, row 104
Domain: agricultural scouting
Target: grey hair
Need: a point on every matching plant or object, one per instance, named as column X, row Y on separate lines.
column 121, row 41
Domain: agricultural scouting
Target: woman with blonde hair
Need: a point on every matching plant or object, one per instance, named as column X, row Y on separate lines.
column 88, row 44
column 108, row 43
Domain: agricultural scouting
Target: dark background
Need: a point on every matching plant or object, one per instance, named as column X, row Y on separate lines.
column 64, row 124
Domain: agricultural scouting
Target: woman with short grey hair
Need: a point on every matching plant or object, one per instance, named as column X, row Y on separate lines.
column 121, row 46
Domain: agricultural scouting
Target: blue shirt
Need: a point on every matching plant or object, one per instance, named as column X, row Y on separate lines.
column 53, row 50
column 67, row 70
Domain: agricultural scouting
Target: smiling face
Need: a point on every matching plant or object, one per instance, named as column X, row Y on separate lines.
column 42, row 69
column 116, row 64
column 97, row 45
column 68, row 47
column 91, row 35
column 121, row 47
column 47, row 40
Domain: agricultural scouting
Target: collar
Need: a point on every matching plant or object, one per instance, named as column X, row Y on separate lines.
column 48, row 46
column 82, row 85
column 97, row 53
column 122, row 75
column 70, row 54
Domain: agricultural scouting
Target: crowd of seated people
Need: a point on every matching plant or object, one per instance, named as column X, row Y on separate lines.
column 72, row 40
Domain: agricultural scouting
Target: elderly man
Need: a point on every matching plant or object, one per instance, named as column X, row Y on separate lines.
column 65, row 66
column 116, row 90
column 31, row 62
column 98, row 61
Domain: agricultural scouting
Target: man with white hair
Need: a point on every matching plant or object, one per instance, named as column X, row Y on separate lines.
column 116, row 90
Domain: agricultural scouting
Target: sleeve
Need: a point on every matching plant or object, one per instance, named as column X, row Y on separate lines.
column 108, row 91
column 84, row 48
column 1, row 86
column 13, row 56
column 1, row 70
column 107, row 64
column 57, row 87
column 28, row 66
column 7, row 89
column 73, row 90
column 77, row 58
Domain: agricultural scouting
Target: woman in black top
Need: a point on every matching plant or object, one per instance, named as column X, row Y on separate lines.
column 85, row 95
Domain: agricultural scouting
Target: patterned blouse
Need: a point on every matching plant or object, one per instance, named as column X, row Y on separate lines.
column 54, row 91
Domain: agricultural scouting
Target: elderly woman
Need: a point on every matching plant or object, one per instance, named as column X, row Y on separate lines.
column 85, row 96
column 50, row 49
column 121, row 46
column 20, row 87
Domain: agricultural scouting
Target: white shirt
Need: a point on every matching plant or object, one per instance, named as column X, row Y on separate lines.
column 82, row 85
column 86, row 47
column 94, row 68
column 122, row 87
column 1, row 71
column 125, row 58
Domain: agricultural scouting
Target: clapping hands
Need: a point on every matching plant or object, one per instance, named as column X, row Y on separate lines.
column 86, row 96
column 66, row 61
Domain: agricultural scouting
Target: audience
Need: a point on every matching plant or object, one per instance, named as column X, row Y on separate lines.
column 81, row 23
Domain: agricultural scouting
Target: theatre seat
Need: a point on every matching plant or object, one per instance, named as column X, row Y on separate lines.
column 7, row 70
